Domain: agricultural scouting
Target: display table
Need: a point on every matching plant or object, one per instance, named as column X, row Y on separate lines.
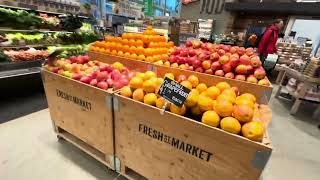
column 308, row 82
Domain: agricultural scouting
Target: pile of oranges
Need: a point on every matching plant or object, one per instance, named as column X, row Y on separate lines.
column 149, row 46
column 220, row 106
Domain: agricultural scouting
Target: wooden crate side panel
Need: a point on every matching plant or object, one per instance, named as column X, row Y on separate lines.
column 262, row 93
column 134, row 65
column 81, row 110
column 231, row 155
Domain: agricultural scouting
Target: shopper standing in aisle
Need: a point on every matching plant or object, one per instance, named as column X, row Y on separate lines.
column 267, row 44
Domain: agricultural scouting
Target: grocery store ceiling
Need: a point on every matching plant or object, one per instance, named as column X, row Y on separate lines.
column 290, row 8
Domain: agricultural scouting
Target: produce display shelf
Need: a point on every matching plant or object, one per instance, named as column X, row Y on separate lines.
column 13, row 69
column 32, row 30
column 27, row 46
column 40, row 11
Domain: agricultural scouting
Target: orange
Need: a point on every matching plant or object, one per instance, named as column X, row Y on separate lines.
column 127, row 55
column 223, row 85
column 186, row 84
column 195, row 110
column 167, row 63
column 214, row 102
column 125, row 36
column 253, row 131
column 230, row 125
column 169, row 75
column 174, row 65
column 132, row 49
column 178, row 110
column 118, row 39
column 125, row 42
column 140, row 75
column 139, row 50
column 224, row 108
column 244, row 101
column 170, row 44
column 126, row 91
column 133, row 56
column 120, row 53
column 107, row 51
column 210, row 118
column 225, row 97
column 141, row 57
column 149, row 75
column 213, row 92
column 243, row 113
column 249, row 96
column 114, row 52
column 150, row 99
column 204, row 103
column 229, row 92
column 125, row 48
column 160, row 102
column 193, row 80
column 138, row 95
column 149, row 59
column 118, row 65
column 136, row 82
column 164, row 57
column 192, row 98
column 130, row 36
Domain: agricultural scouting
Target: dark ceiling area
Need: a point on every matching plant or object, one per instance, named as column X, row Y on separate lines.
column 290, row 8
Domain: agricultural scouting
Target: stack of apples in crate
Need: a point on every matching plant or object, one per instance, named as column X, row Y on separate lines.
column 94, row 73
column 149, row 46
column 221, row 106
column 221, row 60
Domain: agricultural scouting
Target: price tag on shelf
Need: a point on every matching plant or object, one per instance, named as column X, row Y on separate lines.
column 173, row 92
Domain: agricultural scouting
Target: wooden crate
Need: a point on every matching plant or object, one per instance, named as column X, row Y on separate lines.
column 159, row 146
column 263, row 93
column 81, row 111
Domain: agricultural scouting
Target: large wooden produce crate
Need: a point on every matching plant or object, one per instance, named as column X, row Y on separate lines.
column 262, row 93
column 161, row 145
column 81, row 114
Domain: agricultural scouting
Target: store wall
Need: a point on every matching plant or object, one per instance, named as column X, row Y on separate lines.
column 222, row 21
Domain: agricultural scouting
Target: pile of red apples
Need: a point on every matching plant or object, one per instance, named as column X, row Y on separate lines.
column 94, row 73
column 221, row 60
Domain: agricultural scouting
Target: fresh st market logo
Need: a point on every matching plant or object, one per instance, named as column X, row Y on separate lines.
column 176, row 143
column 82, row 103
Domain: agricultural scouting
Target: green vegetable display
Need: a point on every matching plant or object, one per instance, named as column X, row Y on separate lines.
column 19, row 19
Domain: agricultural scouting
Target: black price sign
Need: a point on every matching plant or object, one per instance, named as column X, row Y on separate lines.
column 173, row 92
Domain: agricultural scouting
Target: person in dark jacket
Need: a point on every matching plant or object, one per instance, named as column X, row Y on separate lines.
column 267, row 44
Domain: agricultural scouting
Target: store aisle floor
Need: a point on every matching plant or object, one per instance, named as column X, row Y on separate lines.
column 29, row 149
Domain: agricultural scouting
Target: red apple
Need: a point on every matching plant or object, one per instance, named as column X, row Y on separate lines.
column 199, row 69
column 255, row 62
column 93, row 82
column 215, row 66
column 176, row 51
column 102, row 85
column 184, row 53
column 264, row 82
column 181, row 60
column 192, row 52
column 219, row 72
column 226, row 68
column 115, row 75
column 252, row 79
column 233, row 50
column 76, row 76
column 196, row 63
column 241, row 69
column 229, row 75
column 224, row 59
column 181, row 78
column 240, row 77
column 110, row 82
column 73, row 59
column 101, row 76
column 206, row 64
column 210, row 47
column 86, row 79
column 250, row 69
column 241, row 51
column 191, row 68
column 214, row 56
column 249, row 51
column 188, row 44
column 234, row 61
column 203, row 46
column 244, row 59
column 172, row 59
column 221, row 52
column 226, row 48
column 208, row 71
column 190, row 60
column 259, row 73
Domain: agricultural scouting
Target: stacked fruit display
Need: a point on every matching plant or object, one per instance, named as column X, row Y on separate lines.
column 148, row 46
column 217, row 106
column 26, row 55
column 221, row 60
column 95, row 73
